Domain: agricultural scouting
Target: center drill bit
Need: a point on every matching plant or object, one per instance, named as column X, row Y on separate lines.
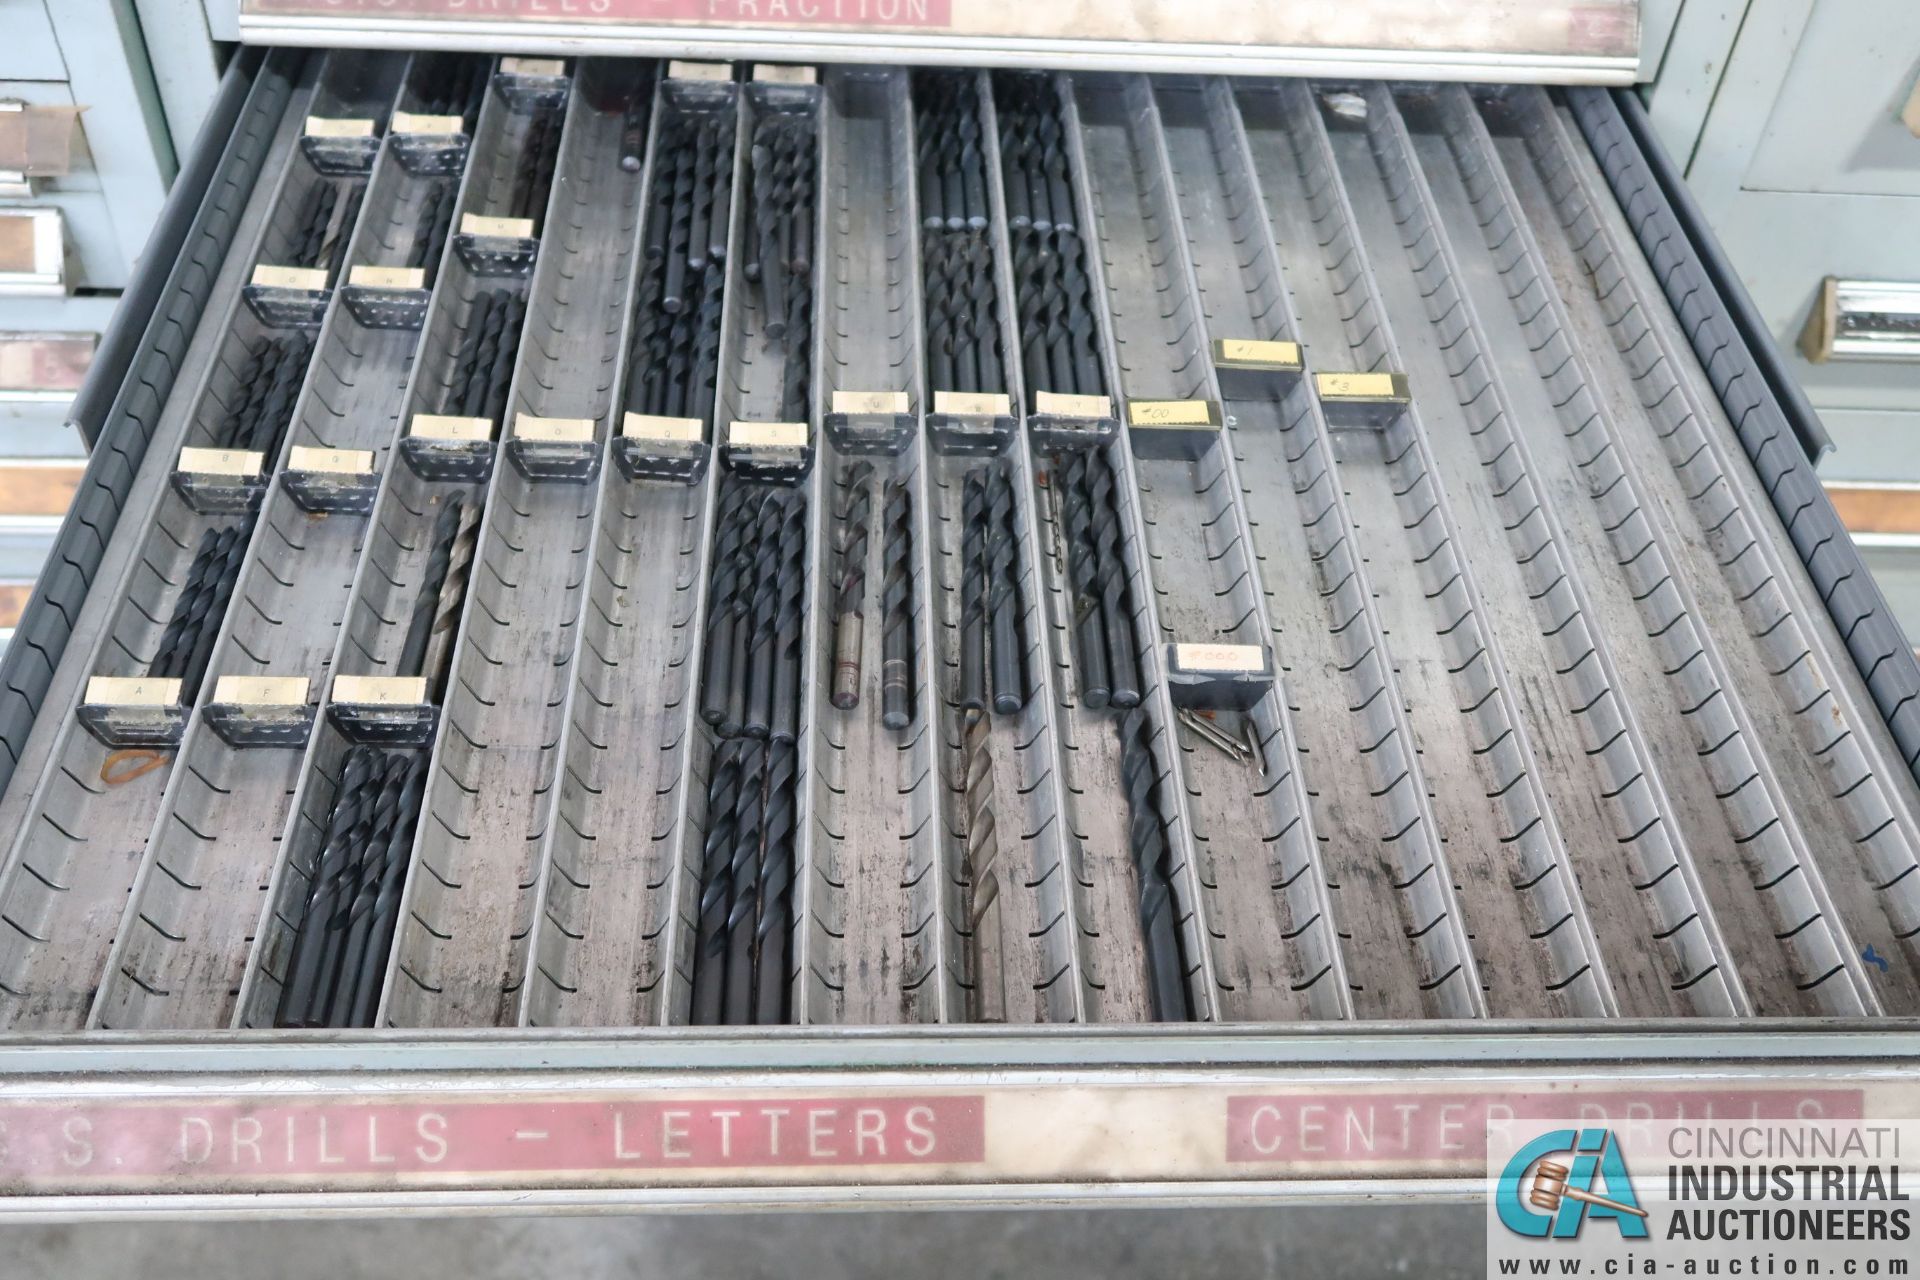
column 896, row 594
column 1152, row 865
column 850, row 595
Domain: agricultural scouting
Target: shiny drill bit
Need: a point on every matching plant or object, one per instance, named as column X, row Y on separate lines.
column 896, row 596
column 986, row 916
column 850, row 591
column 1152, row 859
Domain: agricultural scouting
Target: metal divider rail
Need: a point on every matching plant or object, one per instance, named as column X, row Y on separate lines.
column 1537, row 952
column 598, row 955
column 1015, row 867
column 394, row 556
column 1665, row 952
column 80, row 843
column 182, row 946
column 1747, row 849
column 1276, row 953
column 1359, row 750
column 756, row 380
column 1862, row 829
column 1104, row 120
column 459, row 954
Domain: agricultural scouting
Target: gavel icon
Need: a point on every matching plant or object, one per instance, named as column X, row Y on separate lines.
column 1550, row 1187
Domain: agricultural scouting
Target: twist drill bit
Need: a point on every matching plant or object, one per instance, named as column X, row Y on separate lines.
column 1123, row 659
column 743, row 911
column 679, row 236
column 1013, row 143
column 796, row 392
column 800, row 223
column 1053, row 165
column 766, row 616
column 973, row 177
column 984, row 914
column 758, row 559
column 706, row 349
column 1152, row 858
column 633, row 130
column 940, row 290
column 256, row 378
column 982, row 306
column 1069, row 481
column 206, row 626
column 1003, row 592
column 724, row 587
column 720, row 223
column 478, row 355
column 1087, row 379
column 315, row 217
column 716, row 861
column 499, row 379
column 333, row 248
column 534, row 178
column 276, row 410
column 973, row 590
column 299, row 991
column 774, row 928
column 896, row 595
column 1032, row 304
column 176, row 639
column 337, row 970
column 698, row 237
column 668, row 159
column 850, row 594
column 370, row 969
column 791, row 625
column 431, row 228
column 437, row 659
column 466, row 359
column 932, row 214
column 426, row 605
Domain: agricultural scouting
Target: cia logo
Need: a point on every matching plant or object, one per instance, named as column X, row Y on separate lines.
column 1586, row 1178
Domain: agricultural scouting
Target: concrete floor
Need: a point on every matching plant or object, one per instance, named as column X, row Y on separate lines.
column 1431, row 1243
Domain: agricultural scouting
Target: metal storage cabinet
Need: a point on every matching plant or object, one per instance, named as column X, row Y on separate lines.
column 1514, row 723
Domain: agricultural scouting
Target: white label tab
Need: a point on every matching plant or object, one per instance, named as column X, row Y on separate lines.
column 475, row 224
column 132, row 691
column 1227, row 658
column 647, row 426
column 864, row 402
column 767, row 435
column 969, row 404
column 371, row 277
column 533, row 66
column 1065, row 406
column 783, row 73
column 440, row 426
column 347, row 462
column 433, row 126
column 333, row 127
column 221, row 462
column 552, row 430
column 380, row 691
column 717, row 72
column 262, row 691
column 305, row 279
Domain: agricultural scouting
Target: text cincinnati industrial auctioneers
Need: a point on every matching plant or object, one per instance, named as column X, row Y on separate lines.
column 1786, row 1182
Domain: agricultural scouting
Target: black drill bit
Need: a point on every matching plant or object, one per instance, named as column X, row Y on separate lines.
column 973, row 590
column 774, row 929
column 352, row 801
column 1152, row 865
column 743, row 908
column 724, row 588
column 311, row 235
column 673, row 295
column 339, row 959
column 1003, row 592
column 791, row 625
column 218, row 591
column 765, row 616
column 1069, row 486
column 852, row 537
column 710, row 944
column 370, row 970
column 758, row 559
column 896, row 596
column 426, row 605
column 1123, row 659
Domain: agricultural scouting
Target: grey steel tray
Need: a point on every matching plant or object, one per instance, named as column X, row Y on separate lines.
column 1583, row 759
